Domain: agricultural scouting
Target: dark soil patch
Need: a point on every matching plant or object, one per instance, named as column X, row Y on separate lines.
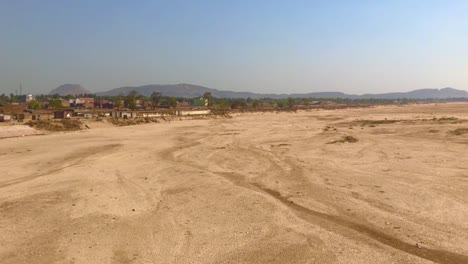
column 459, row 131
column 345, row 139
column 372, row 123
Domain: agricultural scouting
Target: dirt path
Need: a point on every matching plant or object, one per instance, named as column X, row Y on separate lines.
column 257, row 188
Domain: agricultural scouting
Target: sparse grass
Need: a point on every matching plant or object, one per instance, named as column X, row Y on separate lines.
column 459, row 131
column 129, row 121
column 344, row 139
column 70, row 125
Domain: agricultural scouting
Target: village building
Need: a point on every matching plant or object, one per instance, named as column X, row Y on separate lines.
column 5, row 118
column 148, row 105
column 65, row 103
column 21, row 116
column 103, row 104
column 30, row 98
column 139, row 103
column 62, row 114
column 199, row 101
column 42, row 115
column 124, row 114
column 193, row 112
column 155, row 113
column 82, row 102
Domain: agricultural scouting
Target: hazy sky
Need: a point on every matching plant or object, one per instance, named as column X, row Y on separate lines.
column 262, row 46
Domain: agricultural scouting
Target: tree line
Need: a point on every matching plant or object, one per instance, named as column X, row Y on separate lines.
column 133, row 101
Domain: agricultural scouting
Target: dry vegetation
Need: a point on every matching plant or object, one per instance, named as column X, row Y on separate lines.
column 133, row 121
column 56, row 125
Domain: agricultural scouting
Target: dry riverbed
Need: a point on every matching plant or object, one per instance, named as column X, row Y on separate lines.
column 375, row 185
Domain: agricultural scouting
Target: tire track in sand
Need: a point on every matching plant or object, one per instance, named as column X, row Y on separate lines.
column 74, row 159
column 329, row 222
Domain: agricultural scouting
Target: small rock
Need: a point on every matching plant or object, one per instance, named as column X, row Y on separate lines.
column 133, row 210
column 417, row 245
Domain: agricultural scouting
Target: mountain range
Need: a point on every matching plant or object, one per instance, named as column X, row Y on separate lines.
column 190, row 91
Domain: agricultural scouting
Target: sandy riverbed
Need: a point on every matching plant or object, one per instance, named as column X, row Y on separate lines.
column 8, row 131
column 256, row 188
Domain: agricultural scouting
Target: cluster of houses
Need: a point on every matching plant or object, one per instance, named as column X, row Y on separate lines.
column 27, row 115
column 88, row 108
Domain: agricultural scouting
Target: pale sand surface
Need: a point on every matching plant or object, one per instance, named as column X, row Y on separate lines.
column 7, row 131
column 256, row 188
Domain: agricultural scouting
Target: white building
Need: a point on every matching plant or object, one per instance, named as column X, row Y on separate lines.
column 29, row 98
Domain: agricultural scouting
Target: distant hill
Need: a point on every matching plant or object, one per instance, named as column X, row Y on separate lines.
column 443, row 93
column 190, row 90
column 178, row 90
column 70, row 89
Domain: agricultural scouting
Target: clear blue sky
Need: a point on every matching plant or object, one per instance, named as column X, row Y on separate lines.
column 261, row 46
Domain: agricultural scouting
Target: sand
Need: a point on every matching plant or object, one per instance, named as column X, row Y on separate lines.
column 255, row 188
column 7, row 131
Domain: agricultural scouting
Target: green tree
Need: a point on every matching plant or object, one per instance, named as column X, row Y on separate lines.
column 55, row 103
column 291, row 103
column 280, row 103
column 222, row 103
column 117, row 101
column 34, row 104
column 155, row 99
column 172, row 102
column 130, row 100
column 255, row 104
column 13, row 98
column 3, row 99
column 131, row 104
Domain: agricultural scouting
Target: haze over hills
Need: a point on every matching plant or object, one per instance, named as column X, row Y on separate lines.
column 443, row 93
column 70, row 89
column 190, row 90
